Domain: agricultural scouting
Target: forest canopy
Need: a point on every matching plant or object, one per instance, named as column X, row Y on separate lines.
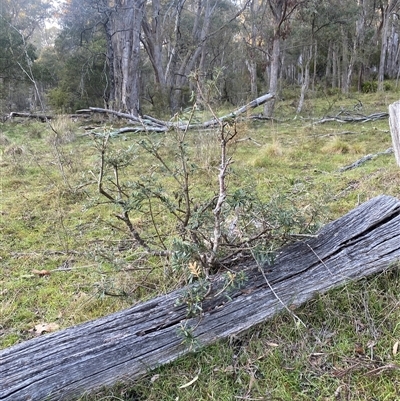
column 138, row 56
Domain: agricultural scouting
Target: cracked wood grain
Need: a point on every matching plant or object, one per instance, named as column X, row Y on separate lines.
column 127, row 344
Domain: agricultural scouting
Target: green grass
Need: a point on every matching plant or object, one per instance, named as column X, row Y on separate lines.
column 48, row 183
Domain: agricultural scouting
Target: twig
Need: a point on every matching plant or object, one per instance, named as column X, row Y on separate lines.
column 364, row 159
column 296, row 318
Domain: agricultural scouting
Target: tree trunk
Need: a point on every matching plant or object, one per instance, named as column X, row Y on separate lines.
column 393, row 51
column 150, row 124
column 250, row 60
column 382, row 59
column 252, row 68
column 273, row 76
column 127, row 344
column 305, row 78
column 328, row 69
column 281, row 11
column 345, row 62
column 357, row 56
column 394, row 121
column 125, row 42
column 153, row 42
column 315, row 66
column 334, row 67
column 388, row 10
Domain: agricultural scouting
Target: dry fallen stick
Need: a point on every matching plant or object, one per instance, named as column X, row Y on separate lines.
column 353, row 118
column 364, row 159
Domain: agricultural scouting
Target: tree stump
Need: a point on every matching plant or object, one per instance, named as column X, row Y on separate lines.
column 394, row 122
column 127, row 344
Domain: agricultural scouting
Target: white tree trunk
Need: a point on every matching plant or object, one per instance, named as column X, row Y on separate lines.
column 382, row 58
column 305, row 78
column 394, row 121
column 252, row 68
column 125, row 42
column 273, row 76
column 390, row 8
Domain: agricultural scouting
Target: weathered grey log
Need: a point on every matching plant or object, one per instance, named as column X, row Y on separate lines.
column 148, row 123
column 364, row 159
column 41, row 117
column 346, row 118
column 127, row 344
column 394, row 122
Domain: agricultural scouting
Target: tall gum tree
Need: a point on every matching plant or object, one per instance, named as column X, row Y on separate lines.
column 177, row 36
column 281, row 12
column 254, row 37
column 19, row 21
column 120, row 21
column 126, row 21
column 389, row 11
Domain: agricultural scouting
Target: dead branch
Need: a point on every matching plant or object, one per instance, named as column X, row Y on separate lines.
column 151, row 124
column 364, row 159
column 42, row 117
column 344, row 117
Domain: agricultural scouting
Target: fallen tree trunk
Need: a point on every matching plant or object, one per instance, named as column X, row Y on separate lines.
column 125, row 345
column 148, row 123
column 42, row 117
column 351, row 118
column 364, row 159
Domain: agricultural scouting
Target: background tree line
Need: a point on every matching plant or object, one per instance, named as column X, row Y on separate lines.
column 140, row 55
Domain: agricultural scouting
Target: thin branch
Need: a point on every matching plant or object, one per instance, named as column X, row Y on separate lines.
column 296, row 318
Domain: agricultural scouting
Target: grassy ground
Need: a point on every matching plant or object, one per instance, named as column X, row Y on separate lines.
column 55, row 250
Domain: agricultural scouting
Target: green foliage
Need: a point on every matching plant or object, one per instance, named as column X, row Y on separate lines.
column 369, row 87
column 387, row 86
column 19, row 21
column 193, row 297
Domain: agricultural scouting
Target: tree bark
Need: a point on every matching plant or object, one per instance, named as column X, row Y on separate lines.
column 394, row 121
column 127, row 344
column 124, row 36
column 273, row 75
column 305, row 76
column 250, row 60
column 387, row 11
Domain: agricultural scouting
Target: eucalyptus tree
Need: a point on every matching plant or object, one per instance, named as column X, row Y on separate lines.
column 281, row 14
column 79, row 57
column 179, row 37
column 173, row 36
column 123, row 36
column 254, row 36
column 389, row 17
column 118, row 25
column 19, row 19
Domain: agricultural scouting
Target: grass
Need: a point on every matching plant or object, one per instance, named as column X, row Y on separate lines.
column 48, row 183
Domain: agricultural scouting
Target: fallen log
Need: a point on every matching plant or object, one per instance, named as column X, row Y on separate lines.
column 349, row 118
column 364, row 159
column 42, row 117
column 125, row 345
column 148, row 123
column 45, row 117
